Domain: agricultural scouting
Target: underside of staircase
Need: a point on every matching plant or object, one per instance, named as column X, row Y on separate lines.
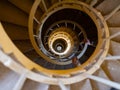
column 24, row 67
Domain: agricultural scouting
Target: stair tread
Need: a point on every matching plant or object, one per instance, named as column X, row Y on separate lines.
column 57, row 67
column 20, row 82
column 113, row 31
column 16, row 32
column 40, row 61
column 32, row 85
column 49, row 3
column 83, row 85
column 54, row 1
column 54, row 87
column 32, row 55
column 23, row 45
column 22, row 5
column 8, row 78
column 112, row 69
column 50, row 65
column 114, row 21
column 98, row 3
column 101, row 73
column 111, row 5
column 97, row 85
column 10, row 13
column 114, row 48
column 22, row 20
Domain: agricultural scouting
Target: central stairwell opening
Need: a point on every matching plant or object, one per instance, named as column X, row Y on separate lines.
column 59, row 44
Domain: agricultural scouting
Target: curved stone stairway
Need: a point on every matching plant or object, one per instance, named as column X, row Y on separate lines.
column 14, row 18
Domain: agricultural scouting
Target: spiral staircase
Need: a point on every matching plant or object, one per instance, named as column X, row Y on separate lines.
column 59, row 44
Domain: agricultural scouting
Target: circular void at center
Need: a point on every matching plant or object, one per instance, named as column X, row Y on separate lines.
column 68, row 34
